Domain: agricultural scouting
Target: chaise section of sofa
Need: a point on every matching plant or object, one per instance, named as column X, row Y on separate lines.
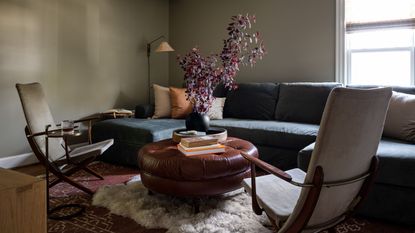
column 130, row 134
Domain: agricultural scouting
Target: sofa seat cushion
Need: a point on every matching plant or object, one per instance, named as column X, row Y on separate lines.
column 396, row 162
column 304, row 156
column 287, row 135
column 139, row 131
column 130, row 134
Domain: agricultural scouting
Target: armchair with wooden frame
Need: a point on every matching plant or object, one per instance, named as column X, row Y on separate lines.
column 63, row 161
column 342, row 167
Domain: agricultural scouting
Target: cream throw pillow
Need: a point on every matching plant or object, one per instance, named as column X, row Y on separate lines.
column 162, row 105
column 216, row 111
column 400, row 119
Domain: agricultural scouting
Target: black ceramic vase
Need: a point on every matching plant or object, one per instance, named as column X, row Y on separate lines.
column 197, row 121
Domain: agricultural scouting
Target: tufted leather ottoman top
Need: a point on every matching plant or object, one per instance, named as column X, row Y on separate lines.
column 163, row 159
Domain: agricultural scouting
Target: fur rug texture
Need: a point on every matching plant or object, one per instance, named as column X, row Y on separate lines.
column 230, row 213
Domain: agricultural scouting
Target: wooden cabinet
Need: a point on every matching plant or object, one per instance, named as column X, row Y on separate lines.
column 22, row 203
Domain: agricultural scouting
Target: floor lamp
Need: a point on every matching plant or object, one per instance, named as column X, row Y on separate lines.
column 163, row 47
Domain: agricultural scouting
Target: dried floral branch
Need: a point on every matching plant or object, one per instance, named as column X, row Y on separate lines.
column 203, row 74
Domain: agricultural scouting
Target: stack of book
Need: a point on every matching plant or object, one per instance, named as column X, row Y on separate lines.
column 200, row 145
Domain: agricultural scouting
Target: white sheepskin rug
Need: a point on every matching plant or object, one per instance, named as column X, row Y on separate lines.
column 230, row 213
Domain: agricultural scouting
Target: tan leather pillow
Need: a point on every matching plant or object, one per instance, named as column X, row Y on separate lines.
column 162, row 105
column 400, row 119
column 180, row 106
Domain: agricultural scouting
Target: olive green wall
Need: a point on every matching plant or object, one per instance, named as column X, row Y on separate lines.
column 298, row 34
column 88, row 54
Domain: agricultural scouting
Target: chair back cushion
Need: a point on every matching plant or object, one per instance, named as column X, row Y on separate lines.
column 38, row 115
column 348, row 138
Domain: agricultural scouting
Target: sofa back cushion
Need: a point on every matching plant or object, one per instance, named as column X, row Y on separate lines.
column 220, row 91
column 400, row 119
column 303, row 102
column 252, row 101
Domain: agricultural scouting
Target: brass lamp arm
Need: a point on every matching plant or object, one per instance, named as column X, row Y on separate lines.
column 151, row 42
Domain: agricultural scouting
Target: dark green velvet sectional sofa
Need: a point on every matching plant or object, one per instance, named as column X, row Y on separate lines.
column 282, row 120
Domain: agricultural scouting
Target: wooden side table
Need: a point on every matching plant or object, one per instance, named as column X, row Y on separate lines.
column 22, row 203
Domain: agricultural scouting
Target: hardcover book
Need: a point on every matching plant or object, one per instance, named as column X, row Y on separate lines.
column 198, row 141
column 210, row 149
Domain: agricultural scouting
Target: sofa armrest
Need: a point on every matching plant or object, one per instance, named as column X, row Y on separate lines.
column 144, row 111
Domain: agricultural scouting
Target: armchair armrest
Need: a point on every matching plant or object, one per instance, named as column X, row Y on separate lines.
column 267, row 167
column 36, row 134
column 44, row 132
column 144, row 111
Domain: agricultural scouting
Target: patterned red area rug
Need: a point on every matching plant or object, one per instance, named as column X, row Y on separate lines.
column 94, row 219
column 100, row 220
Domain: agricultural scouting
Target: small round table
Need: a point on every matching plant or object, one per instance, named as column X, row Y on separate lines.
column 164, row 169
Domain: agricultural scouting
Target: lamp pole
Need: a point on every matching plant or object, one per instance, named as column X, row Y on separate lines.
column 148, row 66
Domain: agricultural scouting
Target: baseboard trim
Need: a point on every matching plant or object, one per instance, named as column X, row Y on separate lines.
column 18, row 160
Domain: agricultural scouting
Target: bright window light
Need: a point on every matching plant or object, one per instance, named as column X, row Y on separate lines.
column 390, row 38
column 381, row 68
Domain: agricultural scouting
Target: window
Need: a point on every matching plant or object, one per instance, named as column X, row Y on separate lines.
column 379, row 42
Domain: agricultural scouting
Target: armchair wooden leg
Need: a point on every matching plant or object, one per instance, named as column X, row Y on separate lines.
column 77, row 185
column 275, row 226
column 55, row 182
column 67, row 174
column 92, row 172
column 255, row 205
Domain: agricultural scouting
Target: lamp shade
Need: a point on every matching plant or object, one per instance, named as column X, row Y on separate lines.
column 164, row 47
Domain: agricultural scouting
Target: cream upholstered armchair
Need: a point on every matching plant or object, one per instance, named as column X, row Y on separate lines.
column 61, row 163
column 342, row 166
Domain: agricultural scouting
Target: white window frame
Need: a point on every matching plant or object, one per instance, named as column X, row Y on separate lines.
column 343, row 57
column 340, row 42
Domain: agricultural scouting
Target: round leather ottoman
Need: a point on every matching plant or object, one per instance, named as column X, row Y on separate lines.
column 164, row 169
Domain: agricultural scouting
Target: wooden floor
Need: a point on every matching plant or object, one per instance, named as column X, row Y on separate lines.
column 33, row 170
